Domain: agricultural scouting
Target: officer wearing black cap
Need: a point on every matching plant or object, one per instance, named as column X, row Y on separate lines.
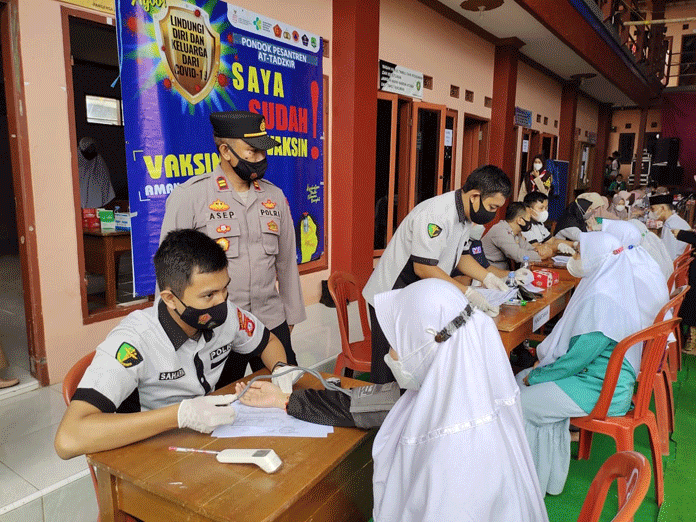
column 250, row 219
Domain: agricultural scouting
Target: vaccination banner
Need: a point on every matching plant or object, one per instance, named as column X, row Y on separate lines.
column 182, row 60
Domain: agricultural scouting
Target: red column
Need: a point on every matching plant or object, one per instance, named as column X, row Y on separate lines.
column 602, row 146
column 640, row 145
column 353, row 132
column 502, row 138
column 566, row 127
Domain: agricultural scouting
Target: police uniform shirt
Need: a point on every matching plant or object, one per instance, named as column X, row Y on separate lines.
column 475, row 250
column 258, row 236
column 537, row 234
column 148, row 362
column 435, row 232
column 500, row 244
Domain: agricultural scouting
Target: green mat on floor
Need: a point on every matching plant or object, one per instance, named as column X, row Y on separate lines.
column 680, row 479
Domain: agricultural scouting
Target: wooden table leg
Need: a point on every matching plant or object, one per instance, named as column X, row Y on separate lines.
column 108, row 498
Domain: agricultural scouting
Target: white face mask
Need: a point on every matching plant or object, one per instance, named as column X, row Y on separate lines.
column 476, row 232
column 620, row 208
column 537, row 166
column 404, row 379
column 542, row 216
column 575, row 268
column 653, row 215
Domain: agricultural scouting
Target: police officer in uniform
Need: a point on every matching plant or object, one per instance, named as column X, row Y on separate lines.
column 250, row 219
column 157, row 367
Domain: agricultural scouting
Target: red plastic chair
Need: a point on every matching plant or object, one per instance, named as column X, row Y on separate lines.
column 629, row 466
column 621, row 428
column 357, row 355
column 72, row 379
column 681, row 258
column 680, row 276
column 664, row 396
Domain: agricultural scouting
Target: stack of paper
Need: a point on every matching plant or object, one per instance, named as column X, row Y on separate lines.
column 269, row 422
column 497, row 297
column 560, row 260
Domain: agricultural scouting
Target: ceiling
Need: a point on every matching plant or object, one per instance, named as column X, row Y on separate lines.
column 511, row 20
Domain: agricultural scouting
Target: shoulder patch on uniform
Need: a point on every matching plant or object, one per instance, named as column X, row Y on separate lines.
column 434, row 230
column 245, row 323
column 128, row 356
column 218, row 205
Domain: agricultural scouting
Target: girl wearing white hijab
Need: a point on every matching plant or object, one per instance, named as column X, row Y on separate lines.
column 620, row 293
column 453, row 446
column 655, row 247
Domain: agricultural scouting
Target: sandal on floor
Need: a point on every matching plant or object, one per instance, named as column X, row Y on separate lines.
column 7, row 383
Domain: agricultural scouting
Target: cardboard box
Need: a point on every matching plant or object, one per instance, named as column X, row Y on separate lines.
column 123, row 221
column 107, row 220
column 91, row 223
column 89, row 213
column 544, row 278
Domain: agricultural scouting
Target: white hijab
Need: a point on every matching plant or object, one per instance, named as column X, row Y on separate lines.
column 655, row 247
column 455, row 449
column 674, row 247
column 621, row 293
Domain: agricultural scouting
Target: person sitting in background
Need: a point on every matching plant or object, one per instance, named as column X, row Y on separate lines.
column 573, row 219
column 154, row 370
column 504, row 241
column 662, row 209
column 600, row 213
column 620, row 292
column 538, row 235
column 618, row 207
column 96, row 189
column 618, row 184
column 536, row 180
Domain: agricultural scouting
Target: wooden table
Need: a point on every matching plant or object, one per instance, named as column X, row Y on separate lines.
column 101, row 251
column 321, row 479
column 515, row 323
column 563, row 274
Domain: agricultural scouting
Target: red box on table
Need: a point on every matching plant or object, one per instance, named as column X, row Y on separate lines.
column 544, row 278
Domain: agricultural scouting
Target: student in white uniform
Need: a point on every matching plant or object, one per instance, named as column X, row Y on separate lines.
column 661, row 208
column 156, row 367
column 429, row 243
column 453, row 446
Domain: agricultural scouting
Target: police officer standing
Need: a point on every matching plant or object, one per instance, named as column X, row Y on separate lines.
column 250, row 219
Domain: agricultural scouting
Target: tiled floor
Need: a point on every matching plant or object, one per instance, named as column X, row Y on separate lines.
column 36, row 486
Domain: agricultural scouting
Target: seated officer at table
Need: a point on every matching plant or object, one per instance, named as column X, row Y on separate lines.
column 505, row 241
column 538, row 235
column 156, row 367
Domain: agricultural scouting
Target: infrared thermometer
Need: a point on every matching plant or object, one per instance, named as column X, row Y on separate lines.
column 266, row 459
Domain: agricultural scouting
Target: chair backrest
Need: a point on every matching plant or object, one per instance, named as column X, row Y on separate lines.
column 74, row 376
column 681, row 258
column 654, row 338
column 680, row 276
column 629, row 465
column 344, row 289
column 676, row 298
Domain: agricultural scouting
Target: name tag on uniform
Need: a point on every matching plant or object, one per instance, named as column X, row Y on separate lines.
column 171, row 376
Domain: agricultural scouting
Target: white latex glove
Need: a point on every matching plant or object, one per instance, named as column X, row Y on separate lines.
column 285, row 382
column 493, row 282
column 523, row 276
column 564, row 248
column 478, row 301
column 206, row 413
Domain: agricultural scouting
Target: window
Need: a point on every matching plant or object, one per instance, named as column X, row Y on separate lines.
column 104, row 111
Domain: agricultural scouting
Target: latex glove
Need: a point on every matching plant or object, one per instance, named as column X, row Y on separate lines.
column 564, row 248
column 206, row 413
column 523, row 276
column 285, row 382
column 478, row 301
column 493, row 282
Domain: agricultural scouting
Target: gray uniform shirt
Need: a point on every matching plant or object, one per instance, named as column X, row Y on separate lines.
column 258, row 236
column 501, row 244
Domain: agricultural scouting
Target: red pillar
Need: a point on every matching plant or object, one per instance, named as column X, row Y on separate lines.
column 566, row 128
column 640, row 145
column 354, row 134
column 602, row 146
column 502, row 137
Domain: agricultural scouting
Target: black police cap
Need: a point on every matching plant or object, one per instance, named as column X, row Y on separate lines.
column 243, row 125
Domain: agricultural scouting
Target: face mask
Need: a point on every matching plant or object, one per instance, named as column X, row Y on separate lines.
column 247, row 170
column 206, row 318
column 537, row 166
column 542, row 216
column 620, row 208
column 652, row 215
column 476, row 232
column 480, row 216
column 404, row 379
column 90, row 152
column 575, row 268
column 527, row 225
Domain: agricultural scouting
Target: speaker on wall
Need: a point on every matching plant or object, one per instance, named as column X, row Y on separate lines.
column 667, row 175
column 666, row 151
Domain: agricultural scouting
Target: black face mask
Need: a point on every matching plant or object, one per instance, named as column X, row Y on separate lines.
column 206, row 318
column 527, row 225
column 89, row 152
column 247, row 170
column 480, row 216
